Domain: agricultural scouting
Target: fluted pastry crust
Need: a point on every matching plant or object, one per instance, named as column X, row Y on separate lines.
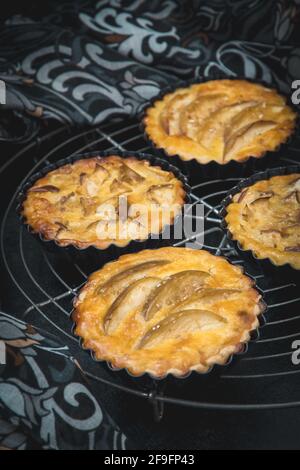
column 220, row 120
column 70, row 204
column 170, row 310
column 265, row 218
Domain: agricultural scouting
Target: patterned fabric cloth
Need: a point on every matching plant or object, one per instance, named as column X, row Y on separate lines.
column 87, row 62
column 45, row 400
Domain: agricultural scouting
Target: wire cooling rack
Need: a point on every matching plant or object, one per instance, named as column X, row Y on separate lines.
column 39, row 288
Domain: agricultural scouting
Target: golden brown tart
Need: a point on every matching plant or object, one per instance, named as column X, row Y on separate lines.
column 169, row 310
column 103, row 200
column 220, row 120
column 265, row 218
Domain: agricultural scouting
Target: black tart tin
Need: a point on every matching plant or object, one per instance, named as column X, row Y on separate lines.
column 92, row 258
column 147, row 380
column 266, row 265
column 232, row 169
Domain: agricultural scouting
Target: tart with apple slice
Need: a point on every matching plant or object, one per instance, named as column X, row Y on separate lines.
column 167, row 311
column 103, row 200
column 264, row 218
column 220, row 121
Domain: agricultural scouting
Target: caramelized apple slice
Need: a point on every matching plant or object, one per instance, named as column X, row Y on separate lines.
column 242, row 121
column 271, row 231
column 198, row 111
column 294, row 249
column 129, row 300
column 119, row 186
column 92, row 188
column 174, row 289
column 110, row 208
column 295, row 185
column 92, row 183
column 93, row 225
column 121, row 280
column 246, row 138
column 257, row 197
column 48, row 188
column 290, row 229
column 161, row 193
column 170, row 117
column 211, row 135
column 294, row 194
column 206, row 297
column 88, row 205
column 130, row 176
column 164, row 121
column 179, row 325
column 101, row 172
column 271, row 236
column 292, row 197
column 160, row 174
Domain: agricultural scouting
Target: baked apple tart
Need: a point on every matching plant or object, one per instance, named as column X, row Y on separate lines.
column 220, row 121
column 169, row 310
column 101, row 201
column 265, row 218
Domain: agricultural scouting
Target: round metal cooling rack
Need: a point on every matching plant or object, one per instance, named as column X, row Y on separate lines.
column 39, row 288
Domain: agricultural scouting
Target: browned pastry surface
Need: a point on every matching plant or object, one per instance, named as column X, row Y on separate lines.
column 265, row 218
column 78, row 204
column 170, row 310
column 220, row 120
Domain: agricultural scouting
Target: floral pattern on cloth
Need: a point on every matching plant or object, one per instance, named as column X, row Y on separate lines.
column 86, row 62
column 45, row 400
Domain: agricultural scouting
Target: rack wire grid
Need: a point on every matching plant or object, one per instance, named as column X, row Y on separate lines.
column 40, row 288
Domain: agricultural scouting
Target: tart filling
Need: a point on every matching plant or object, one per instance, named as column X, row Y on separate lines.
column 220, row 120
column 103, row 200
column 265, row 218
column 170, row 310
